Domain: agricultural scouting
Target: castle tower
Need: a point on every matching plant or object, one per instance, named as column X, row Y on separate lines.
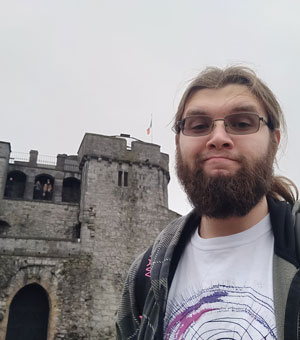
column 124, row 206
column 73, row 251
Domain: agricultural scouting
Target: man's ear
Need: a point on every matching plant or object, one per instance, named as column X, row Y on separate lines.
column 277, row 136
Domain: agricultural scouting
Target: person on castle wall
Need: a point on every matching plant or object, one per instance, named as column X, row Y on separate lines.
column 47, row 190
column 38, row 190
column 229, row 268
column 9, row 187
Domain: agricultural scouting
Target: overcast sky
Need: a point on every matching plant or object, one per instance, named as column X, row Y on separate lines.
column 68, row 67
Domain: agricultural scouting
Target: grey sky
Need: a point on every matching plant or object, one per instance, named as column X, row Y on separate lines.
column 70, row 67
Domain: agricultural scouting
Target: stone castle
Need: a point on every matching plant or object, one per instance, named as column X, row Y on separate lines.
column 69, row 231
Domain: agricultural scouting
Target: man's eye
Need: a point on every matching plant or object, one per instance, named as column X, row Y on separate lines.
column 242, row 122
column 199, row 126
column 242, row 125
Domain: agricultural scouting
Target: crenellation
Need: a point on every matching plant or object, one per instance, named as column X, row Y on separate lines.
column 60, row 161
column 102, row 146
column 146, row 152
column 33, row 156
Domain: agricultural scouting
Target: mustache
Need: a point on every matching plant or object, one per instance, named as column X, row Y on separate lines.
column 202, row 158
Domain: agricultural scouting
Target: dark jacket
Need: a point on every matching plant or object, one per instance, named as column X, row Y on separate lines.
column 165, row 255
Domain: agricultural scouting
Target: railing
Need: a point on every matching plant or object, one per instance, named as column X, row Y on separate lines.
column 49, row 160
column 24, row 157
column 18, row 157
column 70, row 165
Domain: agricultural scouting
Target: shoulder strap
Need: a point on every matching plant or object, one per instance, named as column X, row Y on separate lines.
column 296, row 216
column 142, row 281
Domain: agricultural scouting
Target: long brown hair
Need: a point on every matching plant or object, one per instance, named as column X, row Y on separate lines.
column 214, row 78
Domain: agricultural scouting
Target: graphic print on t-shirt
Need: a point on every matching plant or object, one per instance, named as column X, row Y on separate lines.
column 221, row 312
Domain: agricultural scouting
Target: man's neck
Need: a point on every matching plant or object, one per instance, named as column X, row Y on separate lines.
column 216, row 227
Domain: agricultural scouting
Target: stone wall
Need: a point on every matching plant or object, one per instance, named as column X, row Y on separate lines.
column 38, row 219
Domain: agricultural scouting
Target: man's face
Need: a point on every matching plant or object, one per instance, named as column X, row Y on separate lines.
column 221, row 169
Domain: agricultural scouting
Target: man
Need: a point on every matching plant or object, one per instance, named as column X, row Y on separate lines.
column 225, row 270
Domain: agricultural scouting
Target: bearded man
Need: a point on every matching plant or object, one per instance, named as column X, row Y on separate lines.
column 227, row 270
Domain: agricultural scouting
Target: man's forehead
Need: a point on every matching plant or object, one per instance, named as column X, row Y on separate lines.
column 231, row 98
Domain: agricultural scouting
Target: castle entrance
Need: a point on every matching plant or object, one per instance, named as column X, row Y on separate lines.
column 28, row 314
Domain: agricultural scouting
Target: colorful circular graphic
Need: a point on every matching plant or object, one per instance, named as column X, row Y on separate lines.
column 221, row 312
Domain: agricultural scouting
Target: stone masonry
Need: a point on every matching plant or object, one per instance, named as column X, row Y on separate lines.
column 79, row 250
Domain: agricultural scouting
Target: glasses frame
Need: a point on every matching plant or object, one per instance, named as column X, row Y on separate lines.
column 179, row 126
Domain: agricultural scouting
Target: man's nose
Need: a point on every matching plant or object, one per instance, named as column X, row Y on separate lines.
column 219, row 138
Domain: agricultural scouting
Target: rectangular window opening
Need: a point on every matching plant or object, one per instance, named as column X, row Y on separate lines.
column 125, row 179
column 120, row 178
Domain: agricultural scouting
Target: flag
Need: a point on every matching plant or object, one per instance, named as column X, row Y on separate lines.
column 149, row 128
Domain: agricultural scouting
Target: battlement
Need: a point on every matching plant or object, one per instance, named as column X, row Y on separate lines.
column 116, row 149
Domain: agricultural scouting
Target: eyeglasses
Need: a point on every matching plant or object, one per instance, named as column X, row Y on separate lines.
column 242, row 123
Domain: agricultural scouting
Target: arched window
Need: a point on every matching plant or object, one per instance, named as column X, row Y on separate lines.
column 15, row 184
column 43, row 187
column 71, row 190
column 28, row 314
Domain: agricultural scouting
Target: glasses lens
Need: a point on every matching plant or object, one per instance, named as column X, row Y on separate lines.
column 197, row 125
column 242, row 123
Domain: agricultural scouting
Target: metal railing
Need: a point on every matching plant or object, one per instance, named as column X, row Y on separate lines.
column 70, row 165
column 18, row 157
column 47, row 160
column 24, row 157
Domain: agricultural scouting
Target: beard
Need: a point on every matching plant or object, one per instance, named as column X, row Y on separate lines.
column 227, row 196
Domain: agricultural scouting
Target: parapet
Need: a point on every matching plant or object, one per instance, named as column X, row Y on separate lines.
column 116, row 149
column 141, row 151
column 94, row 145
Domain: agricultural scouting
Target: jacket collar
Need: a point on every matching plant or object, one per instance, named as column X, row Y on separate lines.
column 283, row 229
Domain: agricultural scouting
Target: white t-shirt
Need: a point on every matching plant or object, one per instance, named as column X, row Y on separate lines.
column 223, row 288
